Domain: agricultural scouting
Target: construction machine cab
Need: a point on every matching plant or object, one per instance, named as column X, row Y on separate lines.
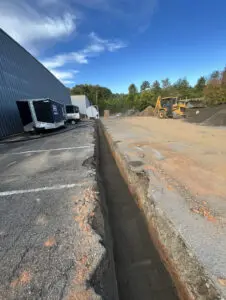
column 164, row 107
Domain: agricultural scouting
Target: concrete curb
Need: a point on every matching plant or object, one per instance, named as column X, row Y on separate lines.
column 191, row 279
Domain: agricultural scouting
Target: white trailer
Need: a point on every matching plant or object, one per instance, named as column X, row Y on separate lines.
column 82, row 102
column 41, row 114
column 92, row 112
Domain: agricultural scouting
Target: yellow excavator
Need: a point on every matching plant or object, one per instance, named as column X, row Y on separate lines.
column 169, row 107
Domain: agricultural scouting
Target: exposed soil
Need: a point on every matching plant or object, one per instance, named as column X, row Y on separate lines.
column 211, row 116
column 192, row 156
column 139, row 270
column 148, row 111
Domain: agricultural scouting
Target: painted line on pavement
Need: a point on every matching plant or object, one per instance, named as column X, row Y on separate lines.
column 46, row 188
column 10, row 164
column 49, row 150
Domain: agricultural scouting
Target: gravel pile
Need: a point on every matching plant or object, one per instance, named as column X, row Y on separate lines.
column 211, row 116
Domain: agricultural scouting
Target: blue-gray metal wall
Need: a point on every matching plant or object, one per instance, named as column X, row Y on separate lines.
column 23, row 77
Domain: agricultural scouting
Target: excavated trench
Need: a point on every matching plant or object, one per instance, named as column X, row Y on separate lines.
column 139, row 271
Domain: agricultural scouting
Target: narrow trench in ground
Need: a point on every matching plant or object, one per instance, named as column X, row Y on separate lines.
column 139, row 270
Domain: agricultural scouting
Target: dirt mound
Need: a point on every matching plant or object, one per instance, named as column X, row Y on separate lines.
column 218, row 119
column 131, row 112
column 148, row 111
column 212, row 116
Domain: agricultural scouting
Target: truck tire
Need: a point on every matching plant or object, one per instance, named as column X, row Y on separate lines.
column 162, row 114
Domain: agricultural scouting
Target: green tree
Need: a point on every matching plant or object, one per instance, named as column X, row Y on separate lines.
column 183, row 88
column 215, row 75
column 130, row 99
column 156, row 88
column 223, row 86
column 213, row 93
column 199, row 87
column 167, row 89
column 145, row 99
column 166, row 83
column 132, row 89
column 93, row 92
column 213, row 89
column 145, row 85
column 223, row 78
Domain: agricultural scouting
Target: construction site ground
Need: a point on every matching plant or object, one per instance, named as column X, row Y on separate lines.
column 177, row 171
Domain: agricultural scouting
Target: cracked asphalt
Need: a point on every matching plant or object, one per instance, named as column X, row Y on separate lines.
column 47, row 195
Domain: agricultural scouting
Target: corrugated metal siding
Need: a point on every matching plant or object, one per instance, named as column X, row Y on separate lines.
column 23, row 77
column 81, row 101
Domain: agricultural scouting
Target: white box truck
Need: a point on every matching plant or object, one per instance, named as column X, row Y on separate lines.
column 82, row 102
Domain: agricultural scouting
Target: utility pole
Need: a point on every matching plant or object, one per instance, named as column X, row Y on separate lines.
column 97, row 104
column 96, row 98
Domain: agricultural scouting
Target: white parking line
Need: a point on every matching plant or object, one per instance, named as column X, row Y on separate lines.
column 46, row 188
column 49, row 150
column 10, row 164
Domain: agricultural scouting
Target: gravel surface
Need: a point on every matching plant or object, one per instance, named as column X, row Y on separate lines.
column 211, row 116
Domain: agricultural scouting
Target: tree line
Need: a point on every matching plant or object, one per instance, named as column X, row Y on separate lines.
column 211, row 89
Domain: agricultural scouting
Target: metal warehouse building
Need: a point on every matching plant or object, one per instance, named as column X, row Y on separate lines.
column 23, row 77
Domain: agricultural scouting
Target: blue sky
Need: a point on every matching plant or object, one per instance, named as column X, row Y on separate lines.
column 117, row 42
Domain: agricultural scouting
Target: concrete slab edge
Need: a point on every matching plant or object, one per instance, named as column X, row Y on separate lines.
column 190, row 277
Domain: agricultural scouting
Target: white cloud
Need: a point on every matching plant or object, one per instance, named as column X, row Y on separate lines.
column 66, row 77
column 28, row 26
column 115, row 46
column 93, row 48
column 69, row 82
column 62, row 59
column 96, row 46
column 39, row 24
column 109, row 45
column 79, row 57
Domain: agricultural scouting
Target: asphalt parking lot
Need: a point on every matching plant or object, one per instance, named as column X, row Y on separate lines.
column 45, row 201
